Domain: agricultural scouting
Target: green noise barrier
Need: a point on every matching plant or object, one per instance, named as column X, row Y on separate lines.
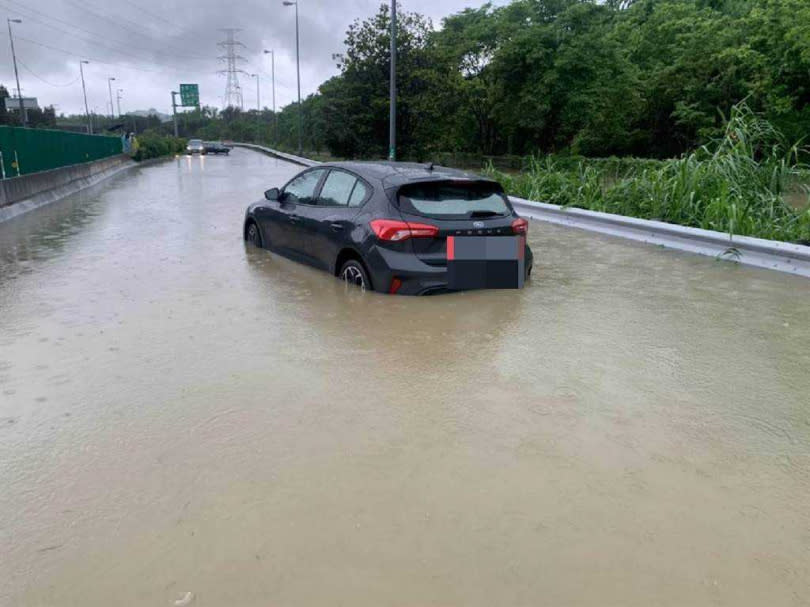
column 26, row 151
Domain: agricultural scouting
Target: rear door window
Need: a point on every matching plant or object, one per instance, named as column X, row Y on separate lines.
column 359, row 194
column 337, row 189
column 302, row 188
column 454, row 200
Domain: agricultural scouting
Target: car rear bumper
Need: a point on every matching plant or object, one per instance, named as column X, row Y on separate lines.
column 414, row 275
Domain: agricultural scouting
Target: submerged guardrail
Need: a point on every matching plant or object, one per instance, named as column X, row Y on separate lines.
column 758, row 252
column 282, row 155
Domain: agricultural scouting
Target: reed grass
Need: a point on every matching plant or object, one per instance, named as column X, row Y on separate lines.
column 738, row 184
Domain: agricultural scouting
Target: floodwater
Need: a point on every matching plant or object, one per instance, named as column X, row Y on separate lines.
column 180, row 414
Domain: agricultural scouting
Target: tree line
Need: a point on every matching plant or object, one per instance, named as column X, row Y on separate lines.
column 643, row 78
column 652, row 78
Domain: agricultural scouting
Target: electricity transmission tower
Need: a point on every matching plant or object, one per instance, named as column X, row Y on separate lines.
column 233, row 92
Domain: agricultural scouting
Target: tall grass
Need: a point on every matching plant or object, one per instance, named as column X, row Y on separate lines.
column 736, row 184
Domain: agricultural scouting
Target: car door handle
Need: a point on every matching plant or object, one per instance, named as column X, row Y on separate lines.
column 336, row 227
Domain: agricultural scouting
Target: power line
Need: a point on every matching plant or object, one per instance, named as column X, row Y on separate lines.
column 115, row 23
column 38, row 77
column 154, row 15
column 93, row 41
column 100, row 61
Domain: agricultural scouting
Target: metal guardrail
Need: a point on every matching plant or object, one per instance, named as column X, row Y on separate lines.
column 757, row 252
column 770, row 254
column 282, row 155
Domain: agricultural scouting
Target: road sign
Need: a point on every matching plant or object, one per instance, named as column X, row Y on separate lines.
column 189, row 95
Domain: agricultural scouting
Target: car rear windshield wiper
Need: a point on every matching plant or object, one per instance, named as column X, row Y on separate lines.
column 478, row 214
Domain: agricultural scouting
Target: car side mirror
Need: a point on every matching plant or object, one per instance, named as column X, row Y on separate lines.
column 272, row 194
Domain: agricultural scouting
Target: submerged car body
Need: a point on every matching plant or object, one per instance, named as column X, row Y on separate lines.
column 216, row 147
column 392, row 227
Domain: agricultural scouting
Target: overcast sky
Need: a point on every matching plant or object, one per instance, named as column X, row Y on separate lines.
column 151, row 46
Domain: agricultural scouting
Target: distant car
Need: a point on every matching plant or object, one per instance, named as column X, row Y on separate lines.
column 404, row 228
column 195, row 146
column 216, row 147
column 228, row 143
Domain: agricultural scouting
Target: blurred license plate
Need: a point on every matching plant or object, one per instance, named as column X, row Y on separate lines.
column 485, row 262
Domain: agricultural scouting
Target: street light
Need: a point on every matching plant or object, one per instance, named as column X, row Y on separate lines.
column 84, row 92
column 298, row 69
column 392, row 117
column 112, row 107
column 273, row 78
column 258, row 108
column 118, row 99
column 23, row 115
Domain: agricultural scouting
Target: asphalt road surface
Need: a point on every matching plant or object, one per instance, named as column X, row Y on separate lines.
column 182, row 414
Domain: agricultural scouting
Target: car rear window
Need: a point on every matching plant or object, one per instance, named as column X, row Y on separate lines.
column 453, row 199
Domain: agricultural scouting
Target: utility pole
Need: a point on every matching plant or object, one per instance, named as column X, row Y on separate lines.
column 298, row 70
column 272, row 54
column 118, row 99
column 112, row 107
column 84, row 92
column 174, row 111
column 392, row 118
column 23, row 115
column 258, row 108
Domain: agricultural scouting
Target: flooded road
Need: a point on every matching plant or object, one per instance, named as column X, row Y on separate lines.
column 181, row 414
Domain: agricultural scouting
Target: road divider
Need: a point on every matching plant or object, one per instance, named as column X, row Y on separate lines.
column 281, row 155
column 769, row 254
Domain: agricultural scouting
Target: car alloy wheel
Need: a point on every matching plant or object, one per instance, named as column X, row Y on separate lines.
column 253, row 236
column 353, row 274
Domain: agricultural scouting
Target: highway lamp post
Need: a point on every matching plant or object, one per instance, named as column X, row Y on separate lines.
column 298, row 70
column 112, row 107
column 174, row 111
column 84, row 92
column 23, row 115
column 392, row 118
column 258, row 108
column 272, row 54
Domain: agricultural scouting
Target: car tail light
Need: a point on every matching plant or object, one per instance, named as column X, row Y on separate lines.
column 394, row 230
column 520, row 226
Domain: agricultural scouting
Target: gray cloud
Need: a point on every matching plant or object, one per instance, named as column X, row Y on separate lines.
column 152, row 46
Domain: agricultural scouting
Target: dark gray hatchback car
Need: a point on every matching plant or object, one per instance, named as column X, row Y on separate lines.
column 396, row 227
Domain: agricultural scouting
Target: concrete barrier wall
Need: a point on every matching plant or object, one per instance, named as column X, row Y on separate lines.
column 21, row 194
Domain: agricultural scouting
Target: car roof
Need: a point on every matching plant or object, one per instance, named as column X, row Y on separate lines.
column 396, row 174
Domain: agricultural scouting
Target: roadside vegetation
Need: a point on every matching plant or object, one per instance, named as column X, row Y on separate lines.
column 737, row 184
column 152, row 144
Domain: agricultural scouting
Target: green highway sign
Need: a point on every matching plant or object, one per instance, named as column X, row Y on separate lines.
column 189, row 95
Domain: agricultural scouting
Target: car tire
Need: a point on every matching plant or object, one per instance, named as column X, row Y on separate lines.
column 253, row 235
column 353, row 273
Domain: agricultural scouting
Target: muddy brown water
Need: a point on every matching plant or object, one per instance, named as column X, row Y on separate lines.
column 179, row 413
